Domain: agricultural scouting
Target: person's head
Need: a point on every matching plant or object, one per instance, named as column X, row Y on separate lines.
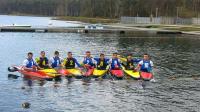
column 114, row 55
column 42, row 53
column 146, row 56
column 88, row 54
column 102, row 56
column 129, row 57
column 30, row 55
column 56, row 54
column 69, row 54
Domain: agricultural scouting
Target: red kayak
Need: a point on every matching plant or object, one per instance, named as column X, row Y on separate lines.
column 65, row 72
column 89, row 72
column 36, row 74
column 146, row 75
column 117, row 73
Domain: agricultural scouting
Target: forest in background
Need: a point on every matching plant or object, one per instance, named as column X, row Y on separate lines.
column 102, row 8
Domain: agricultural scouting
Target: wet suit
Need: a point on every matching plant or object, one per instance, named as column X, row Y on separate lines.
column 70, row 63
column 42, row 62
column 55, row 62
column 114, row 63
column 101, row 64
column 146, row 65
column 129, row 65
column 89, row 61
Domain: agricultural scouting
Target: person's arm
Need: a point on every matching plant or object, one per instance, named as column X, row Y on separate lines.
column 64, row 63
column 36, row 65
column 82, row 62
column 151, row 67
column 93, row 61
column 50, row 62
column 47, row 64
column 136, row 60
column 37, row 60
column 139, row 65
column 151, row 63
column 107, row 63
column 76, row 62
column 96, row 59
column 61, row 61
column 120, row 63
column 25, row 62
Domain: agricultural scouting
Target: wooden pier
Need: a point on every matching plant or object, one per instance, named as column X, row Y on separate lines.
column 83, row 30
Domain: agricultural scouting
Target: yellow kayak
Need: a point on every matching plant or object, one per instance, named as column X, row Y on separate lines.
column 75, row 72
column 98, row 73
column 135, row 75
column 51, row 72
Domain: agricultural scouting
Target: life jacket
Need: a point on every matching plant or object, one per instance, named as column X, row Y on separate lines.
column 115, row 62
column 42, row 62
column 30, row 63
column 129, row 63
column 69, row 63
column 146, row 66
column 88, row 61
column 56, row 62
column 102, row 64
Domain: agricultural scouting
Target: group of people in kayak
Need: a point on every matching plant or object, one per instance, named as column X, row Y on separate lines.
column 101, row 63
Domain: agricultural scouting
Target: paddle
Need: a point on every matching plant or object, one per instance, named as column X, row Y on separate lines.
column 13, row 69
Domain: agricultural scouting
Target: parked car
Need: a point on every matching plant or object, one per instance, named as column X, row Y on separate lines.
column 94, row 26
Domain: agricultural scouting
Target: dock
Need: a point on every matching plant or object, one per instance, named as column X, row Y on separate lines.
column 122, row 31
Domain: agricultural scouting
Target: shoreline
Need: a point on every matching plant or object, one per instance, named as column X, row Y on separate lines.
column 90, row 20
column 114, row 24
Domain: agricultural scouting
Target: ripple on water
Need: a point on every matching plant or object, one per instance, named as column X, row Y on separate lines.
column 176, row 58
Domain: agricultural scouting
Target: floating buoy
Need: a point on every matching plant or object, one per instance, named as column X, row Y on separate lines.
column 26, row 105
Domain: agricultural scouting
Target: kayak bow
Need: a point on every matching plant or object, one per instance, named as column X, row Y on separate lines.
column 99, row 73
column 146, row 76
column 117, row 73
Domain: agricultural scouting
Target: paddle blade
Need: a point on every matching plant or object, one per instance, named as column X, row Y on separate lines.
column 12, row 69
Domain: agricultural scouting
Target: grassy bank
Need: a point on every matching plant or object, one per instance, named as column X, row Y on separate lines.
column 88, row 20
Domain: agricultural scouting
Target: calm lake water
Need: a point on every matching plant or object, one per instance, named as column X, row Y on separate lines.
column 35, row 21
column 173, row 57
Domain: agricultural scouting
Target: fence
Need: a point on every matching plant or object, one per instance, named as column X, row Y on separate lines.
column 160, row 20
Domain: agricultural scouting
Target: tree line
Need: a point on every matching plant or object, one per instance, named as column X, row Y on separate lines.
column 102, row 8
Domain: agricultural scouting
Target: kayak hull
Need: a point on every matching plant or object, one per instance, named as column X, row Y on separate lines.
column 65, row 72
column 99, row 73
column 36, row 74
column 51, row 72
column 88, row 72
column 146, row 76
column 75, row 72
column 132, row 74
column 117, row 73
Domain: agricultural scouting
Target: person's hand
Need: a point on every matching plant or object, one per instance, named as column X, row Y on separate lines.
column 87, row 65
column 116, row 66
column 135, row 70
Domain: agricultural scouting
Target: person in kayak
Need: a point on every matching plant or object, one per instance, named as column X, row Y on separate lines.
column 114, row 62
column 129, row 64
column 70, row 62
column 55, row 61
column 145, row 65
column 42, row 61
column 88, row 61
column 29, row 64
column 102, row 62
